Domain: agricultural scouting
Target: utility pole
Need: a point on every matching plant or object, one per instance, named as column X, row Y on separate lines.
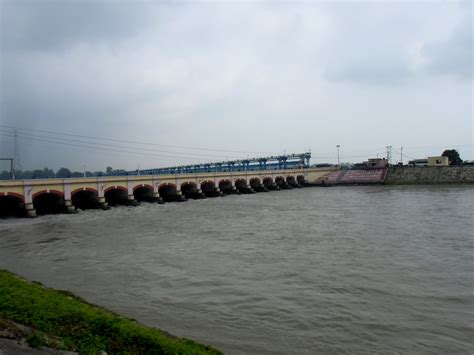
column 389, row 154
column 12, row 167
column 16, row 150
column 401, row 155
column 338, row 154
column 84, row 169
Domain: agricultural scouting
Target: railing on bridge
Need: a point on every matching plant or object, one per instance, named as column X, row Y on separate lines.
column 287, row 161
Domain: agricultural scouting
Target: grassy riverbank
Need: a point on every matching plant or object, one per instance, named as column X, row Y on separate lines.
column 64, row 321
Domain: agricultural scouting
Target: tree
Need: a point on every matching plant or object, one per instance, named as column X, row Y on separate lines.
column 64, row 173
column 109, row 170
column 453, row 156
column 38, row 174
column 26, row 174
column 49, row 173
column 5, row 175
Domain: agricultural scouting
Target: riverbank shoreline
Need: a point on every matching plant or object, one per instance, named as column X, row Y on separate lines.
column 47, row 318
column 429, row 175
column 400, row 175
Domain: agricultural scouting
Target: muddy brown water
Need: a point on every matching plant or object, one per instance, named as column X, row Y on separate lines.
column 315, row 270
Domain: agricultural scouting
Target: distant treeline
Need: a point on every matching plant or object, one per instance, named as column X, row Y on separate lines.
column 62, row 173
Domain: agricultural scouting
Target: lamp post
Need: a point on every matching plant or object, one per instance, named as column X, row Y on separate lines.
column 338, row 154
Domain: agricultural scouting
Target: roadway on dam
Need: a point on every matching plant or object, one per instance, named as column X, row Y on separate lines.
column 371, row 269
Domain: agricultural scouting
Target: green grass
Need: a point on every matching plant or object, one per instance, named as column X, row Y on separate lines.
column 65, row 321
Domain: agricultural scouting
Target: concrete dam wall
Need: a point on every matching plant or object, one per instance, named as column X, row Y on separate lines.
column 410, row 175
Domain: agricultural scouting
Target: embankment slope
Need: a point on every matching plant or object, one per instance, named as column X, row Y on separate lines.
column 411, row 175
column 63, row 321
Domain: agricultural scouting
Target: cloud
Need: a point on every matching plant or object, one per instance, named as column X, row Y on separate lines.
column 51, row 25
column 368, row 45
column 372, row 68
column 389, row 44
column 233, row 76
column 453, row 55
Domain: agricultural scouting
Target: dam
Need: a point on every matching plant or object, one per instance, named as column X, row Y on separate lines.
column 65, row 195
column 45, row 196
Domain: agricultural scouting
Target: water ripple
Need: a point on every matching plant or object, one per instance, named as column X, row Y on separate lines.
column 336, row 270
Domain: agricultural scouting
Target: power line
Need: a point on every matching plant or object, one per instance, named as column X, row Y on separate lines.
column 439, row 146
column 107, row 147
column 362, row 156
column 93, row 147
column 347, row 156
column 98, row 148
column 131, row 142
column 407, row 156
column 67, row 140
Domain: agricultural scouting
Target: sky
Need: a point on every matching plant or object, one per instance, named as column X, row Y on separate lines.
column 91, row 84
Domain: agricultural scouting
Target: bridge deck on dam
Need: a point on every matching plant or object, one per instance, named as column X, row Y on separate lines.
column 44, row 196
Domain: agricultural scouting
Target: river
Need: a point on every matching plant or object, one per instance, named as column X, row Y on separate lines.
column 367, row 269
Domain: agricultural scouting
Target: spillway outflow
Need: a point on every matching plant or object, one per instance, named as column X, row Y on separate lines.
column 116, row 196
column 51, row 196
column 49, row 203
column 85, row 200
column 11, row 206
column 144, row 194
column 168, row 193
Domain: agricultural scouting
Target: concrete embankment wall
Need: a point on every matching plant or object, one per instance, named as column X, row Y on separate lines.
column 400, row 175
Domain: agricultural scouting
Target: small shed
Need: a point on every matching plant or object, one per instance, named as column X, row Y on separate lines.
column 376, row 163
column 438, row 161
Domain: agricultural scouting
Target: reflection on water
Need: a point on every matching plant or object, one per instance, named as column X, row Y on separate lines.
column 343, row 269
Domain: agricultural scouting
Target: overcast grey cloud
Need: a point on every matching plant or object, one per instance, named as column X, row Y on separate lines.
column 252, row 77
column 453, row 55
column 52, row 25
